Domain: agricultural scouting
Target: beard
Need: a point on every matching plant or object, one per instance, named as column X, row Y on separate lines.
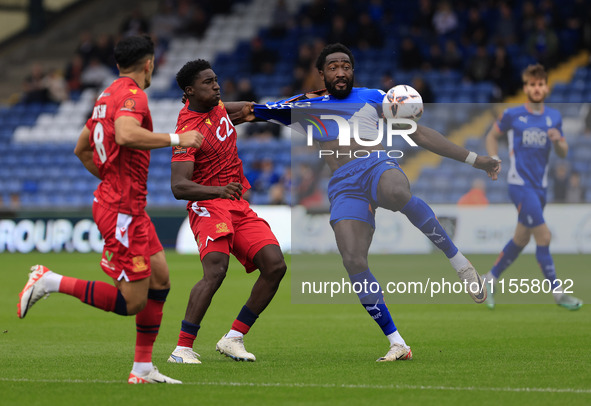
column 339, row 93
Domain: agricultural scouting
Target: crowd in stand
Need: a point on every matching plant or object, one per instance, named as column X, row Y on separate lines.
column 480, row 39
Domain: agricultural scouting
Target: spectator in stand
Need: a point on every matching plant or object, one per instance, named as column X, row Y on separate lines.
column 103, row 51
column 196, row 23
column 262, row 59
column 542, row 43
column 435, row 60
column 452, row 57
column 424, row 89
column 57, row 87
column 340, row 30
column 424, row 18
column 86, row 46
column 73, row 73
column 165, row 22
column 95, row 75
column 35, row 85
column 230, row 91
column 387, row 81
column 478, row 67
column 475, row 31
column 135, row 23
column 281, row 20
column 410, row 57
column 575, row 192
column 369, row 34
column 445, row 20
column 245, row 90
column 476, row 196
column 501, row 73
column 505, row 32
column 560, row 180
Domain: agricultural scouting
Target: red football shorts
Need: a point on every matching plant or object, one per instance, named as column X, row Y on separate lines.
column 229, row 226
column 130, row 241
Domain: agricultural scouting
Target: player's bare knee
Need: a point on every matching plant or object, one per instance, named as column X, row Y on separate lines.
column 396, row 197
column 275, row 270
column 354, row 263
column 136, row 306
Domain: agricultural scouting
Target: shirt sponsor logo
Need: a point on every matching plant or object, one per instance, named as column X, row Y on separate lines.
column 534, row 138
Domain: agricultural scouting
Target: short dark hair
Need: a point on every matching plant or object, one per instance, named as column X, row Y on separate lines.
column 331, row 49
column 131, row 50
column 186, row 76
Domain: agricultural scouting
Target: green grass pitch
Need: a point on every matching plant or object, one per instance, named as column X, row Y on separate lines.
column 67, row 353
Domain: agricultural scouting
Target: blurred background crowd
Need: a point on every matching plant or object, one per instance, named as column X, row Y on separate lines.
column 468, row 52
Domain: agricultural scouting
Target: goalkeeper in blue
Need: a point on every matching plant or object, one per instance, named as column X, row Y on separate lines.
column 532, row 130
column 365, row 178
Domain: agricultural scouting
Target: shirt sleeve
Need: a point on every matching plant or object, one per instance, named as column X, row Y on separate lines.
column 183, row 154
column 504, row 121
column 134, row 105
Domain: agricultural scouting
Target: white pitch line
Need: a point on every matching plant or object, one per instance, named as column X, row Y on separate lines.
column 323, row 386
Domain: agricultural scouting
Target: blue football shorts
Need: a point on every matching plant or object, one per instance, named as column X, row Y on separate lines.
column 353, row 188
column 530, row 204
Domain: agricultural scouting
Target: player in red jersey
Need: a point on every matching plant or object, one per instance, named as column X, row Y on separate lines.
column 211, row 178
column 114, row 146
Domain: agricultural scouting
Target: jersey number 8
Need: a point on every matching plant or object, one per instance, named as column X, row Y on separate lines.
column 99, row 136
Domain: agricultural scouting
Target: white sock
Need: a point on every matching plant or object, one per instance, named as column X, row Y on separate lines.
column 459, row 261
column 234, row 333
column 52, row 281
column 142, row 368
column 180, row 347
column 396, row 338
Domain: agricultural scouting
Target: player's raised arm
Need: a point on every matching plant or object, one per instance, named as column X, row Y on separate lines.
column 240, row 112
column 130, row 133
column 83, row 151
column 435, row 142
column 183, row 187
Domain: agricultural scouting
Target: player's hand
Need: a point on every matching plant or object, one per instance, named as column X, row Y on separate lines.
column 232, row 191
column 554, row 135
column 248, row 112
column 491, row 166
column 191, row 139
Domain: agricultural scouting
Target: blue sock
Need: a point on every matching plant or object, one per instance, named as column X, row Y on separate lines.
column 506, row 258
column 373, row 302
column 422, row 217
column 546, row 263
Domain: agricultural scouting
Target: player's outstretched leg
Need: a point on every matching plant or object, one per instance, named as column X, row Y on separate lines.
column 422, row 217
column 43, row 281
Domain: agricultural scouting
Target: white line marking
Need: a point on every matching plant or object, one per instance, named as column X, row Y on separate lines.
column 324, row 386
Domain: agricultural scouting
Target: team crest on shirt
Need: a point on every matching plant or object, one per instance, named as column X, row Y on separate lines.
column 221, row 228
column 139, row 265
column 128, row 105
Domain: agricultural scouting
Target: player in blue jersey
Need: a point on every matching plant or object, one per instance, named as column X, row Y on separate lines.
column 532, row 130
column 363, row 180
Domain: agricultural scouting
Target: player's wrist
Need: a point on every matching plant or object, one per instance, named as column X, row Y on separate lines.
column 174, row 139
column 471, row 158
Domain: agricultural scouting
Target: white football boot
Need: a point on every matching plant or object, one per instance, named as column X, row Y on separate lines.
column 234, row 348
column 154, row 376
column 34, row 290
column 397, row 352
column 184, row 356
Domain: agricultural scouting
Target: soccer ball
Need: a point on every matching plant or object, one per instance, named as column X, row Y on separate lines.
column 403, row 101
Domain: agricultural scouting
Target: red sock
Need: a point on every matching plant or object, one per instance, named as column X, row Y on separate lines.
column 148, row 323
column 95, row 293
